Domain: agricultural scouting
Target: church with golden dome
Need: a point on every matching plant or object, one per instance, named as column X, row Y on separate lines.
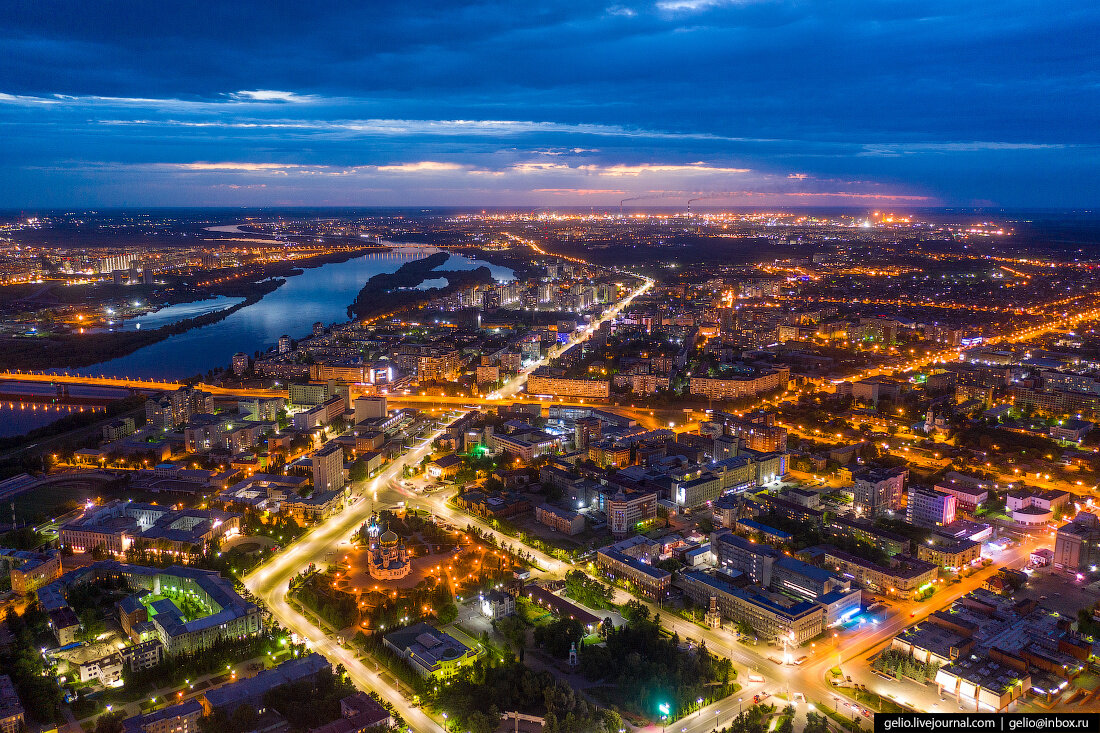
column 387, row 557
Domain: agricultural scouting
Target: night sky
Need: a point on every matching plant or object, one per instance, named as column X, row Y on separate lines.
column 738, row 102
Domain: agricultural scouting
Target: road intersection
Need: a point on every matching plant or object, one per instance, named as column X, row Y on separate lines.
column 847, row 648
column 270, row 581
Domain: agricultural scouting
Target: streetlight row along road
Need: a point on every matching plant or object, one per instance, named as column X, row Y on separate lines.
column 270, row 581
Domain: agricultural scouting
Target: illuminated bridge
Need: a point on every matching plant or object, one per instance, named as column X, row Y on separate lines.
column 139, row 385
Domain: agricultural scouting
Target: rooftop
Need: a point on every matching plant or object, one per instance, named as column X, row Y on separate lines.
column 426, row 645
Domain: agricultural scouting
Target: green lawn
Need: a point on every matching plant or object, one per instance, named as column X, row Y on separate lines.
column 533, row 613
column 839, row 717
column 46, row 502
column 49, row 501
column 876, row 703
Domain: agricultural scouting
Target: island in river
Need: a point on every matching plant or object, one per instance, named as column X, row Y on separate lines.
column 392, row 292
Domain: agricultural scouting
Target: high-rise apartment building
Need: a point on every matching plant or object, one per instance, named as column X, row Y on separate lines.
column 240, row 363
column 879, row 490
column 1077, row 545
column 328, row 468
column 929, row 508
column 370, row 407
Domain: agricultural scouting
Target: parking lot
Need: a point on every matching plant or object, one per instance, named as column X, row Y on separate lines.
column 1060, row 592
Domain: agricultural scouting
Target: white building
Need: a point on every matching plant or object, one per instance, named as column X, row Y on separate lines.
column 930, row 508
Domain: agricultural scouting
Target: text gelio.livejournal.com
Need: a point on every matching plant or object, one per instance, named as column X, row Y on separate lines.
column 902, row 722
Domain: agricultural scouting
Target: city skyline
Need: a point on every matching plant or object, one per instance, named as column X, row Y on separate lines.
column 733, row 103
column 464, row 456
column 712, row 366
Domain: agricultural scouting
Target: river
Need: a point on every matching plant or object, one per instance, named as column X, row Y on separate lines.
column 172, row 313
column 318, row 294
column 19, row 416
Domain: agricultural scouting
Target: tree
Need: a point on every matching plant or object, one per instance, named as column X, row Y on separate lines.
column 612, row 721
column 447, row 613
column 816, row 723
column 587, row 591
column 358, row 471
column 243, row 718
column 90, row 625
column 110, row 722
column 514, row 630
column 558, row 636
column 786, row 724
column 479, row 722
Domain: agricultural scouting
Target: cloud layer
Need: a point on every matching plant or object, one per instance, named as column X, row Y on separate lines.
column 549, row 103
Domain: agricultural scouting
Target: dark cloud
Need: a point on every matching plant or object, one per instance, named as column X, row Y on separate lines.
column 950, row 102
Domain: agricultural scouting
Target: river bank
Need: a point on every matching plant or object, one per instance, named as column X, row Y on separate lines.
column 79, row 350
column 57, row 351
column 320, row 294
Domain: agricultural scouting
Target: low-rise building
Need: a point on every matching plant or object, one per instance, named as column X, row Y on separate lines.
column 903, row 576
column 445, row 467
column 118, row 429
column 931, row 643
column 12, row 719
column 982, row 683
column 497, row 604
column 559, row 605
column 773, row 616
column 566, row 521
column 1031, row 507
column 525, row 445
column 429, row 651
column 359, row 713
column 1071, row 430
column 493, row 505
column 251, row 692
column 180, row 718
column 950, row 553
column 118, row 525
column 630, row 560
column 64, row 624
column 317, row 507
column 143, row 655
column 227, row 615
column 29, row 570
column 106, row 670
column 970, row 493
